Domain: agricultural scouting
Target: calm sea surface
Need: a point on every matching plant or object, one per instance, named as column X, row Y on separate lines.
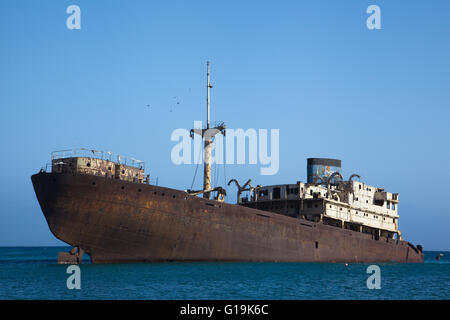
column 32, row 273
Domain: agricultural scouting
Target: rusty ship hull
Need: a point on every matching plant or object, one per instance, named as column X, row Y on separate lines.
column 117, row 221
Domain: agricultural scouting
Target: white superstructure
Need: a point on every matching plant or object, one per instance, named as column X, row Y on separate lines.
column 347, row 204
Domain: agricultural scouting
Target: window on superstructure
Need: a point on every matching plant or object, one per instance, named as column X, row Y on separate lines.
column 388, row 205
column 276, row 193
column 393, row 206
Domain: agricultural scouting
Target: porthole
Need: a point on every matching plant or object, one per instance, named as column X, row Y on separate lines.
column 123, row 171
column 109, row 168
column 122, row 187
column 174, row 196
column 162, row 194
column 140, row 190
column 155, row 192
column 93, row 183
column 88, row 164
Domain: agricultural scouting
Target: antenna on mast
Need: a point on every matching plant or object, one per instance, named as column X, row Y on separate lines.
column 208, row 86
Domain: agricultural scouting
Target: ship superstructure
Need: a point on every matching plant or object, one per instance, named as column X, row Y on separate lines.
column 329, row 199
column 99, row 163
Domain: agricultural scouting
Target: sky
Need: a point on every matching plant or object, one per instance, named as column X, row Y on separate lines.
column 379, row 100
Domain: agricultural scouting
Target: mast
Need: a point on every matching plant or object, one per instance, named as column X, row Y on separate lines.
column 208, row 141
column 208, row 135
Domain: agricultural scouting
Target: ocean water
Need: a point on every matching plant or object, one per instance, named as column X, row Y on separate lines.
column 32, row 273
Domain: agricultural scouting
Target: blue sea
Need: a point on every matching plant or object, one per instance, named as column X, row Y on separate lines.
column 32, row 273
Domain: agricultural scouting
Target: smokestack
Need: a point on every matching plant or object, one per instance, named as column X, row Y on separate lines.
column 322, row 168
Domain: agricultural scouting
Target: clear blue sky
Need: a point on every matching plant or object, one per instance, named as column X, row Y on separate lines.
column 378, row 100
